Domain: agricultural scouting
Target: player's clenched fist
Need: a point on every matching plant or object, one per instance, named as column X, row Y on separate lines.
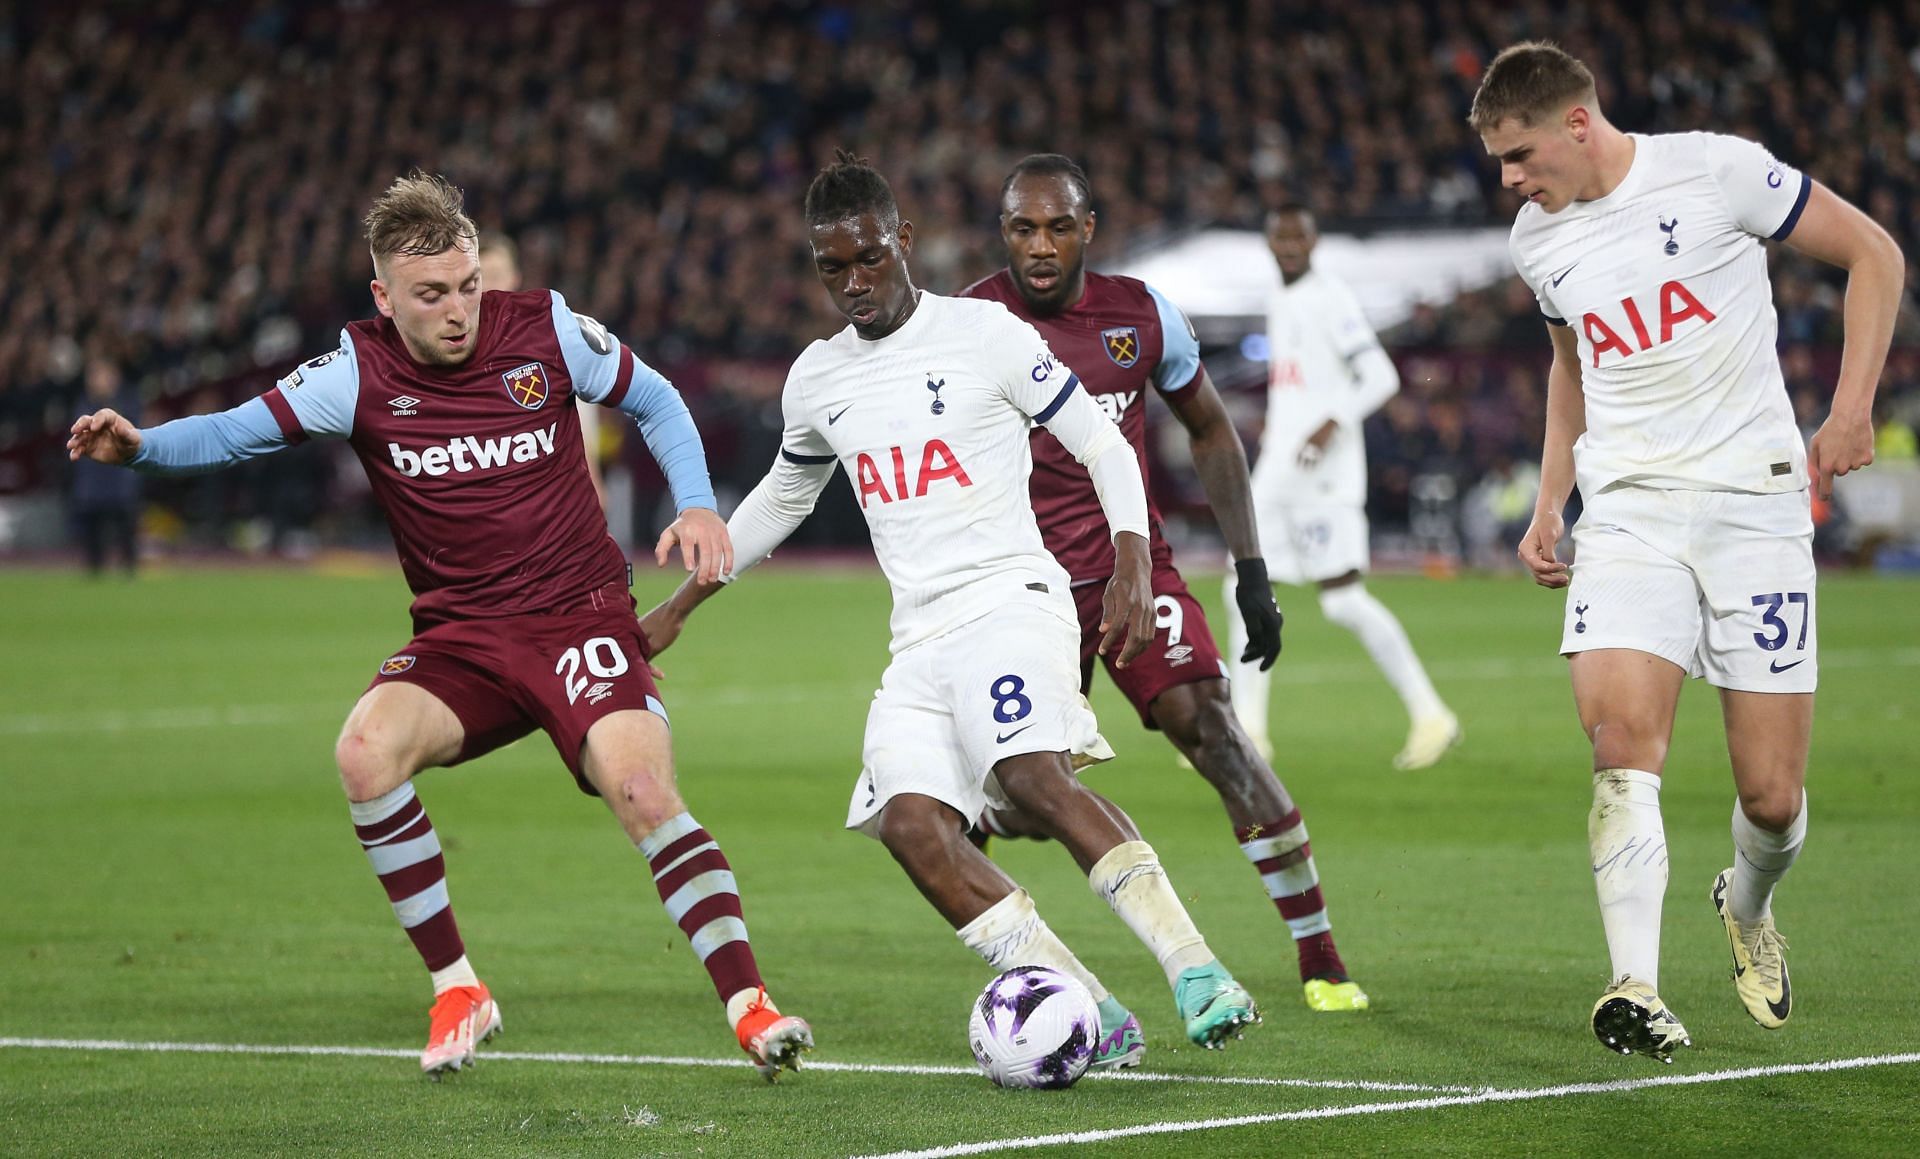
column 105, row 436
column 1537, row 550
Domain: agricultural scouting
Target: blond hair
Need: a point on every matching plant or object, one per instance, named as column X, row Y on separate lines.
column 1528, row 82
column 419, row 215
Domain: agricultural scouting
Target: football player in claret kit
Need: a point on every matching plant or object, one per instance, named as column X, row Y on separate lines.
column 927, row 402
column 459, row 404
column 1125, row 339
column 1693, row 554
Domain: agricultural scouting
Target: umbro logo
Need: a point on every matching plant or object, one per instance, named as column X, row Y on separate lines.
column 405, row 404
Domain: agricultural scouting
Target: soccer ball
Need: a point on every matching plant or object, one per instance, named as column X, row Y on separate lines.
column 1034, row 1028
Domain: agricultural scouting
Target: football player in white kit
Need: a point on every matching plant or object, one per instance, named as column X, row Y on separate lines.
column 927, row 402
column 1693, row 554
column 1326, row 374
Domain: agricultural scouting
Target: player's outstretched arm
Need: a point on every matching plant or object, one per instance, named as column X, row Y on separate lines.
column 185, row 446
column 105, row 436
column 662, row 625
column 1566, row 421
column 1836, row 232
column 762, row 522
column 1221, row 461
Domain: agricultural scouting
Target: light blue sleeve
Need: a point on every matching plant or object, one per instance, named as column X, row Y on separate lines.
column 323, row 392
column 598, row 363
column 315, row 400
column 201, row 443
column 1179, row 347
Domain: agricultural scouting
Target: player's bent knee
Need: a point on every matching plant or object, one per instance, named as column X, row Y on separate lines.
column 1199, row 720
column 1623, row 744
column 1774, row 808
column 1181, row 717
column 1212, row 726
column 1036, row 783
column 370, row 763
column 911, row 828
column 646, row 799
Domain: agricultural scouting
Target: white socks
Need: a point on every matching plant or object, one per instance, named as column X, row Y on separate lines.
column 1353, row 607
column 1011, row 933
column 738, row 1004
column 458, row 974
column 1761, row 858
column 1629, row 847
column 1130, row 880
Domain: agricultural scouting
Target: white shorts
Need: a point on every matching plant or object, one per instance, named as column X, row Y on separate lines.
column 1307, row 543
column 1719, row 582
column 948, row 710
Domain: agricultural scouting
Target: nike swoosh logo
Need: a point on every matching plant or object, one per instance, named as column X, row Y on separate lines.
column 835, row 417
column 1562, row 276
column 1003, row 738
column 1777, row 667
column 1785, row 1006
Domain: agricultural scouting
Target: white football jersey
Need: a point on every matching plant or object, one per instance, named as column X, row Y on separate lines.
column 1317, row 338
column 1665, row 283
column 931, row 425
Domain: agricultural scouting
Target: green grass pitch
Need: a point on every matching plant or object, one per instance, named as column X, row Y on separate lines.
column 176, row 866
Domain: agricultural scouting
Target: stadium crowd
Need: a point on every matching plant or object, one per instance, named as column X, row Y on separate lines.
column 181, row 181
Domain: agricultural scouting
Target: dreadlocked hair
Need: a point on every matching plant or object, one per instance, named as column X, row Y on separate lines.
column 848, row 188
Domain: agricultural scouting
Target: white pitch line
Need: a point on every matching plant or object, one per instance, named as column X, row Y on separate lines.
column 1483, row 1096
column 1328, row 672
column 145, row 1047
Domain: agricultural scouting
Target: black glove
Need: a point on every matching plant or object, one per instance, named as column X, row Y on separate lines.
column 1254, row 594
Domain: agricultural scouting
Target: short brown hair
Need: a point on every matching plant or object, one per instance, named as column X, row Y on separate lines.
column 419, row 215
column 1528, row 81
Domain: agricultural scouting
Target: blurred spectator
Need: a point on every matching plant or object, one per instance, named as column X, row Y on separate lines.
column 1893, row 439
column 181, row 181
column 105, row 501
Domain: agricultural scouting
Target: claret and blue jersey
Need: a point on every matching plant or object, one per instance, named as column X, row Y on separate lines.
column 1122, row 339
column 479, row 467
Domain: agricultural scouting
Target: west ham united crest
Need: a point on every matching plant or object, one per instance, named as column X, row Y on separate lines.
column 1123, row 345
column 527, row 385
column 395, row 665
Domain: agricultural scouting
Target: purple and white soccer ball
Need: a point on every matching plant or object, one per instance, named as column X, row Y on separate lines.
column 1034, row 1028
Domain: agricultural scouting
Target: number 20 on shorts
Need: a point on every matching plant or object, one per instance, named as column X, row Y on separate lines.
column 602, row 657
